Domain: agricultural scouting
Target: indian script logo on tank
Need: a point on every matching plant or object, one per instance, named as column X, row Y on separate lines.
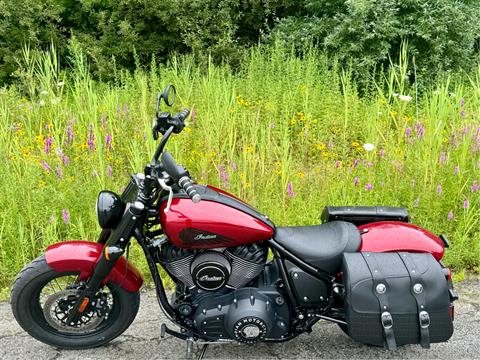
column 192, row 235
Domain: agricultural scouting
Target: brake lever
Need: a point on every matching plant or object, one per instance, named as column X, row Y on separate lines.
column 165, row 187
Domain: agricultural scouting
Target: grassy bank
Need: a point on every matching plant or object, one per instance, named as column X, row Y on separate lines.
column 286, row 134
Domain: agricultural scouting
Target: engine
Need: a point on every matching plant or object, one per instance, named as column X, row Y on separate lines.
column 212, row 270
column 219, row 304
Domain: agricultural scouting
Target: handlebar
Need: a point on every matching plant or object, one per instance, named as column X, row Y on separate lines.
column 187, row 185
column 178, row 173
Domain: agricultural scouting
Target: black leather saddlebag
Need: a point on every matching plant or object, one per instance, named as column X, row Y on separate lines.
column 360, row 215
column 396, row 298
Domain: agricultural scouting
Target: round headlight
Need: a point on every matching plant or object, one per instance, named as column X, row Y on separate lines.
column 110, row 209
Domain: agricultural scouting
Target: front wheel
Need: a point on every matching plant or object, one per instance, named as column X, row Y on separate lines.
column 41, row 299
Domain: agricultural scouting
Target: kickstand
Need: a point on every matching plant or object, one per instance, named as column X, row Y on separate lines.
column 202, row 353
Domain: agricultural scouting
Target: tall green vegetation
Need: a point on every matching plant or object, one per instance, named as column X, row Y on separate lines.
column 287, row 133
column 444, row 35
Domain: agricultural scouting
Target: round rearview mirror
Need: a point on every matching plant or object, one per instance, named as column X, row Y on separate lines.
column 169, row 95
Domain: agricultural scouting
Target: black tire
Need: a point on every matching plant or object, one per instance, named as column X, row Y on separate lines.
column 28, row 312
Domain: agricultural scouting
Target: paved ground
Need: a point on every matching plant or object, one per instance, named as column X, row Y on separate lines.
column 141, row 340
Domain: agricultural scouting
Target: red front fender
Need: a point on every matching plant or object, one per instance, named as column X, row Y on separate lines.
column 83, row 255
column 386, row 236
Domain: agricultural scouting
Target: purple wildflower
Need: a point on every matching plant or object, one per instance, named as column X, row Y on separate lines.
column 91, row 138
column 368, row 186
column 463, row 113
column 457, row 170
column 46, row 166
column 234, row 166
column 466, row 204
column 419, row 130
column 104, row 120
column 356, row 181
column 443, row 158
column 109, row 171
column 355, row 163
column 337, row 164
column 450, row 215
column 63, row 157
column 290, row 190
column 47, row 144
column 381, row 153
column 330, row 144
column 59, row 171
column 66, row 216
column 369, row 164
column 439, row 189
column 108, row 141
column 475, row 186
column 462, row 102
column 70, row 134
column 223, row 175
column 272, row 124
column 408, row 132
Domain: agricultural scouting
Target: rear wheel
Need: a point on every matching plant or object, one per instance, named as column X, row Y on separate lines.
column 42, row 298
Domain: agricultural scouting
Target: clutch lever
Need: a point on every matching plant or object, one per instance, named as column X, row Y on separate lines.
column 165, row 187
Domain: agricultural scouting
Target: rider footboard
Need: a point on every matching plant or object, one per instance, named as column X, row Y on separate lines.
column 396, row 298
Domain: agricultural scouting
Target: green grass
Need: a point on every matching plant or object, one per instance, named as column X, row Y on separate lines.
column 277, row 120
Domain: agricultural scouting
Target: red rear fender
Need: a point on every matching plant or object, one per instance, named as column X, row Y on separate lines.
column 386, row 236
column 82, row 256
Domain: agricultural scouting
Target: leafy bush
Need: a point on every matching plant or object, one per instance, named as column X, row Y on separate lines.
column 442, row 34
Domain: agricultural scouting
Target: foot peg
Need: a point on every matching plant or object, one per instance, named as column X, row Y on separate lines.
column 165, row 330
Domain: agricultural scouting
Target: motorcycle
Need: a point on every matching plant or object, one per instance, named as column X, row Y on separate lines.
column 238, row 277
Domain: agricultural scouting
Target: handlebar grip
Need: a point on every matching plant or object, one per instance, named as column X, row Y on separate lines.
column 183, row 114
column 171, row 166
column 187, row 185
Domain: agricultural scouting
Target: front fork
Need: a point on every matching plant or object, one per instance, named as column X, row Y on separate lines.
column 113, row 249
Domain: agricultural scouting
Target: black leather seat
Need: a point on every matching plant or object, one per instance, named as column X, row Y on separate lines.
column 320, row 245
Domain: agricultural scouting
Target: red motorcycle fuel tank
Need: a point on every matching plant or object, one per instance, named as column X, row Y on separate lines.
column 218, row 220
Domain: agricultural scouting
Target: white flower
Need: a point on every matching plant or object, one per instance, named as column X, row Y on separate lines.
column 368, row 147
column 60, row 83
column 41, row 103
column 44, row 92
column 395, row 94
column 405, row 97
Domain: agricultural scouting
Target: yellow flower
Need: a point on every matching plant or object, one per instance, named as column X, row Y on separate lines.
column 278, row 163
column 278, row 171
column 335, row 129
column 320, row 146
column 242, row 175
column 241, row 101
column 393, row 113
column 39, row 138
column 355, row 144
column 302, row 118
column 42, row 183
column 249, row 149
column 325, row 154
column 301, row 174
column 293, row 121
column 247, row 184
column 383, row 101
column 315, row 121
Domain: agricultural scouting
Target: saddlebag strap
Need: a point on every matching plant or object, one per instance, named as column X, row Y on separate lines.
column 417, row 288
column 380, row 289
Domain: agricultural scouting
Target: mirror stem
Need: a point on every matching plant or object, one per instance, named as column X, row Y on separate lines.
column 162, row 144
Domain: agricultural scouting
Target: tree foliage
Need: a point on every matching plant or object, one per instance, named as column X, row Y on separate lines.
column 442, row 34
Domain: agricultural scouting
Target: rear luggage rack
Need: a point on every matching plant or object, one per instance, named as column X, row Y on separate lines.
column 360, row 215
